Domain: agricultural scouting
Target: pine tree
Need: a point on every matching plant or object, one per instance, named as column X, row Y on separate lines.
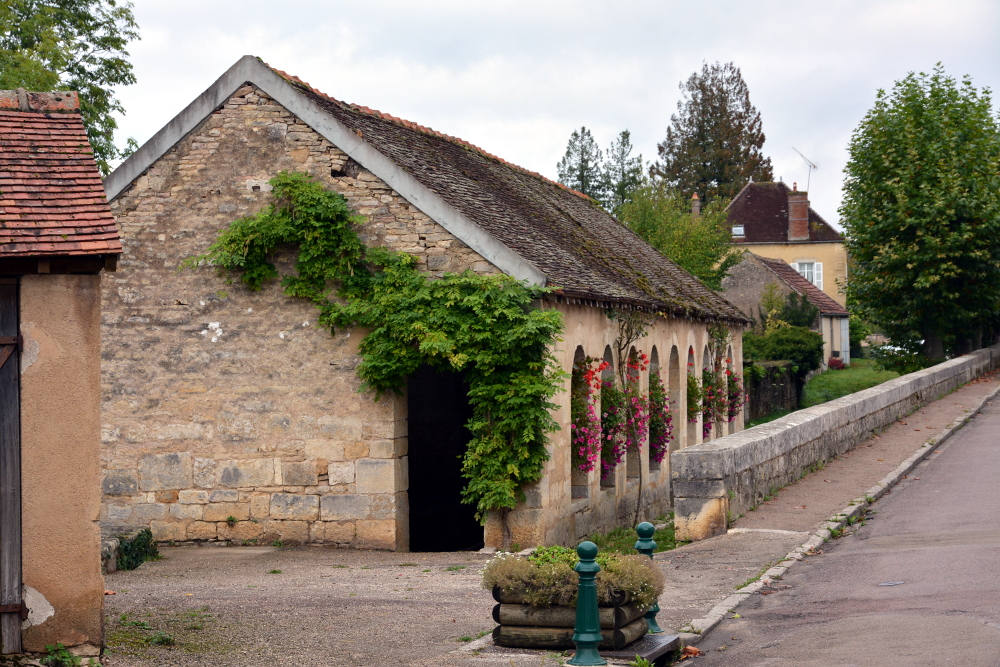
column 580, row 167
column 621, row 173
column 713, row 144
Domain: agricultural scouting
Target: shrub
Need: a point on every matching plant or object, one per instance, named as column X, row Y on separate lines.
column 804, row 348
column 134, row 552
column 898, row 359
column 546, row 577
column 836, row 364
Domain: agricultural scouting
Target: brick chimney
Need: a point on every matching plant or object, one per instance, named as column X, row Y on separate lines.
column 58, row 102
column 798, row 214
column 695, row 206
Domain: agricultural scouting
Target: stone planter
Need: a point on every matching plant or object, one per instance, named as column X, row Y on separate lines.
column 524, row 626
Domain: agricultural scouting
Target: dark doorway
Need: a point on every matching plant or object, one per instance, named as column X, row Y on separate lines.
column 438, row 411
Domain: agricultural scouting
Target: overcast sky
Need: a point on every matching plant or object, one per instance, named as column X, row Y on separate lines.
column 516, row 77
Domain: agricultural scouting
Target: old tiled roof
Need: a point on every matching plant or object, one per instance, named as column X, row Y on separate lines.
column 762, row 209
column 794, row 279
column 580, row 248
column 51, row 197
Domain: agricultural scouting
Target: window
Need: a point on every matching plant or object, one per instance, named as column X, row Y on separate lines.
column 737, row 230
column 811, row 271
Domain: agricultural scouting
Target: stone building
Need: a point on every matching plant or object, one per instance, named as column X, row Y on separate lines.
column 229, row 415
column 774, row 221
column 744, row 287
column 56, row 237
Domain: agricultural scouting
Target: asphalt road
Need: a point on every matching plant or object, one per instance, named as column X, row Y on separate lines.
column 917, row 584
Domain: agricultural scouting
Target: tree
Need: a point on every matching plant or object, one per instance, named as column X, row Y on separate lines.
column 72, row 45
column 621, row 173
column 663, row 217
column 713, row 144
column 922, row 212
column 580, row 167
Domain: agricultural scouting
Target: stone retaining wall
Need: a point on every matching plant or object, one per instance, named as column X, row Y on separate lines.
column 773, row 391
column 726, row 477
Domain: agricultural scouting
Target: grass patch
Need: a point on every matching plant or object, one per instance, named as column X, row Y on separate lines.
column 194, row 631
column 777, row 414
column 861, row 374
column 622, row 540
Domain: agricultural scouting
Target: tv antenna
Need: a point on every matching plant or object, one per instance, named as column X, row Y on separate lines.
column 808, row 162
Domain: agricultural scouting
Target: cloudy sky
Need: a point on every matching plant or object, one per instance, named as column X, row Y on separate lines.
column 516, row 77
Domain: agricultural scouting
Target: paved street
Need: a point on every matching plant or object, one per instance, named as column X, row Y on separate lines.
column 916, row 585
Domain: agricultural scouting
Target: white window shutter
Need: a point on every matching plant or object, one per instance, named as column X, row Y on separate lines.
column 818, row 274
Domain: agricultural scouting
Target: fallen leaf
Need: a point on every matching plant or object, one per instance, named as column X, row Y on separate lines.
column 799, row 507
column 690, row 652
column 110, row 593
column 880, row 459
column 937, row 451
column 916, row 478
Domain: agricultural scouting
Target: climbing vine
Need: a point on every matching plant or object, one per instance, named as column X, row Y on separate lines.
column 488, row 326
column 586, row 423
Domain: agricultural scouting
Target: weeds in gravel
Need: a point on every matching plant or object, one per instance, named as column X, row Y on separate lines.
column 160, row 638
column 427, row 570
column 59, row 656
column 274, row 571
column 407, row 564
column 621, row 540
column 231, row 521
column 454, row 568
column 278, row 544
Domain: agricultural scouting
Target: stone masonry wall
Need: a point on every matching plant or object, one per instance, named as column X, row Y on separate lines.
column 227, row 414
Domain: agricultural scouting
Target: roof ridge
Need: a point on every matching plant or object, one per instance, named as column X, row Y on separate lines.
column 291, row 78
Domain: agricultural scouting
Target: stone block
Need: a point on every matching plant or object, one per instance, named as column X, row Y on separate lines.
column 166, row 531
column 179, row 511
column 224, row 496
column 387, row 448
column 345, row 507
column 299, row 473
column 202, row 530
column 204, row 473
column 248, row 472
column 294, row 507
column 260, row 505
column 118, row 514
column 192, row 497
column 355, row 450
column 381, row 475
column 120, row 483
column 158, row 472
column 388, row 506
column 339, row 532
column 222, row 511
column 146, row 512
column 292, row 532
column 340, row 428
column 243, row 530
column 166, row 496
column 376, row 534
column 340, row 473
column 324, row 449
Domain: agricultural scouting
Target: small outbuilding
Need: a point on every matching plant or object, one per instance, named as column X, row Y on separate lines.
column 744, row 287
column 230, row 415
column 57, row 236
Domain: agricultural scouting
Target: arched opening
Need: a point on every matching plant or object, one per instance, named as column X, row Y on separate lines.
column 674, row 392
column 610, row 414
column 438, row 404
column 636, row 437
column 585, row 431
column 708, row 388
column 659, row 406
column 692, row 411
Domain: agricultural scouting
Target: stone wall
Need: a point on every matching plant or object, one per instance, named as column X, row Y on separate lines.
column 773, row 391
column 728, row 476
column 228, row 414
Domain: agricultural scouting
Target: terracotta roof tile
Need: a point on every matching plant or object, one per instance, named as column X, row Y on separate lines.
column 762, row 209
column 52, row 199
column 581, row 249
column 794, row 279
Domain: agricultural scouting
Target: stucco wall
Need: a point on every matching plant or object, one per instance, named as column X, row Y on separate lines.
column 833, row 256
column 726, row 477
column 551, row 515
column 60, row 457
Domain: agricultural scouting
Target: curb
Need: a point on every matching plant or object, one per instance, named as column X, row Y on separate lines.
column 694, row 631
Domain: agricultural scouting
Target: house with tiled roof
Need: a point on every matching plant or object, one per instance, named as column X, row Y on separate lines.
column 220, row 402
column 746, row 282
column 57, row 236
column 774, row 221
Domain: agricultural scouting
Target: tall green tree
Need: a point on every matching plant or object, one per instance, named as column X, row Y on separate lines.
column 580, row 167
column 621, row 173
column 72, row 45
column 662, row 216
column 922, row 212
column 713, row 145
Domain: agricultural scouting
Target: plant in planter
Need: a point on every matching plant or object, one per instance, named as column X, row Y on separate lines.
column 537, row 597
column 661, row 432
column 586, row 424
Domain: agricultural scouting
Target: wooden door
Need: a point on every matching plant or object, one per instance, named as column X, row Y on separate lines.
column 11, row 608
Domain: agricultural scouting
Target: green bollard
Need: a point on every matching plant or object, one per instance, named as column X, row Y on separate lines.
column 646, row 545
column 587, row 633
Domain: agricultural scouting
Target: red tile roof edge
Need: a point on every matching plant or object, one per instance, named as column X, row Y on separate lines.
column 817, row 297
column 296, row 81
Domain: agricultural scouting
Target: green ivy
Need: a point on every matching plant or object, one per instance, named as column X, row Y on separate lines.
column 489, row 326
column 133, row 552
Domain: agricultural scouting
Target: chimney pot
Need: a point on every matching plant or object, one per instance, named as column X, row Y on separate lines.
column 695, row 206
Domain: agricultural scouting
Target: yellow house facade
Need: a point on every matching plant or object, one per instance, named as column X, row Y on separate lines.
column 774, row 221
